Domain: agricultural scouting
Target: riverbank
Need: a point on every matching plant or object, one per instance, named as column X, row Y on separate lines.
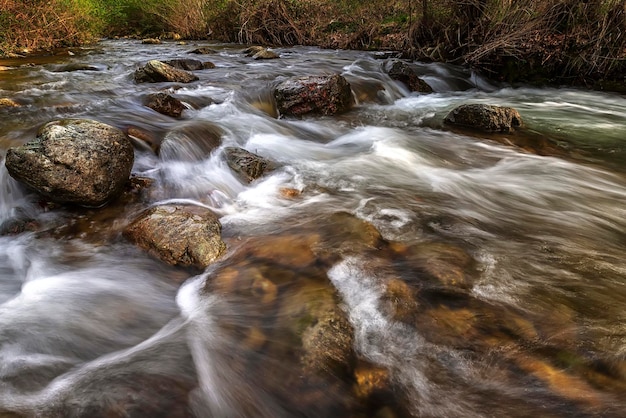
column 544, row 42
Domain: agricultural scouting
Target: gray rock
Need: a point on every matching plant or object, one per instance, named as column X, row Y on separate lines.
column 325, row 95
column 156, row 71
column 77, row 161
column 178, row 235
column 486, row 118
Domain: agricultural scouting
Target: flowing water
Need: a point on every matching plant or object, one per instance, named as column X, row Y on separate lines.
column 498, row 288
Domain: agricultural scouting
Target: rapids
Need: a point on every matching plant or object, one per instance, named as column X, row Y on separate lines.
column 512, row 247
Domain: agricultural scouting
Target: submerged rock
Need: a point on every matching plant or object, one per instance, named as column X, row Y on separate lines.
column 76, row 67
column 204, row 50
column 156, row 71
column 325, row 95
column 485, row 118
column 444, row 265
column 192, row 141
column 178, row 235
column 247, row 165
column 372, row 380
column 78, row 161
column 401, row 71
column 16, row 226
column 311, row 312
column 165, row 104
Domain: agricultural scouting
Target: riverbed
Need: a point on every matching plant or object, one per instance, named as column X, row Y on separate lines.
column 480, row 275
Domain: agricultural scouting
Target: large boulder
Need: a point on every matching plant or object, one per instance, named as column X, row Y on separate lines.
column 77, row 161
column 156, row 71
column 402, row 72
column 486, row 118
column 165, row 104
column 325, row 95
column 247, row 165
column 178, row 234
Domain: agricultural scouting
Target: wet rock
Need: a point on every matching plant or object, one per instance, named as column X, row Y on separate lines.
column 250, row 281
column 399, row 301
column 165, row 104
column 172, row 36
column 313, row 315
column 156, row 71
column 76, row 67
column 265, row 54
column 401, row 71
column 151, row 41
column 203, row 51
column 327, row 344
column 189, row 64
column 247, row 165
column 369, row 91
column 450, row 265
column 266, row 106
column 561, row 382
column 192, row 141
column 485, row 118
column 325, row 95
column 349, row 235
column 371, row 380
column 289, row 192
column 143, row 138
column 16, row 226
column 77, row 161
column 102, row 225
column 294, row 251
column 129, row 394
column 254, row 49
column 4, row 102
column 178, row 235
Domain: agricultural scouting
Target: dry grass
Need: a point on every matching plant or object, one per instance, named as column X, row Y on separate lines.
column 555, row 40
column 33, row 25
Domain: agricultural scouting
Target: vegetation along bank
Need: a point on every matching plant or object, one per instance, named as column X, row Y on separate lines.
column 572, row 42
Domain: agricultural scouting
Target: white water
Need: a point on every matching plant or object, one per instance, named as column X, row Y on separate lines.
column 84, row 324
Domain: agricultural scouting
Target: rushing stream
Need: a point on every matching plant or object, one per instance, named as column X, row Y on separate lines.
column 498, row 288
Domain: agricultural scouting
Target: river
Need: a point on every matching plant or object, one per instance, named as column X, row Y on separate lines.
column 498, row 288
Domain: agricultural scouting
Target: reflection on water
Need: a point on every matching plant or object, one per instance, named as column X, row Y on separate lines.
column 387, row 268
